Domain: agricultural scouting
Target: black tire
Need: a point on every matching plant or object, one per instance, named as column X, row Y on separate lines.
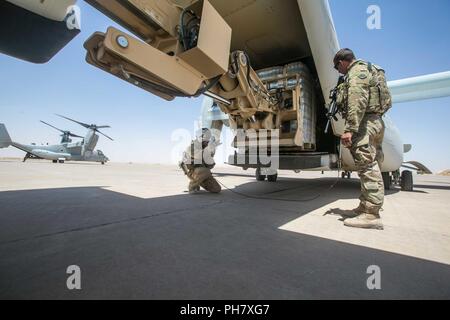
column 406, row 181
column 55, row 161
column 272, row 178
column 343, row 174
column 387, row 180
column 61, row 161
column 259, row 176
column 349, row 175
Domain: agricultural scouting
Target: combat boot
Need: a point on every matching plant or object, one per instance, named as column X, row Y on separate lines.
column 193, row 188
column 365, row 220
column 353, row 213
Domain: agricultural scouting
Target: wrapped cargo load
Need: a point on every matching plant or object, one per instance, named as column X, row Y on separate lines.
column 287, row 79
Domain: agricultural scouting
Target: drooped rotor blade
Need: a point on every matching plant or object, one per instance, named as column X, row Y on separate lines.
column 105, row 135
column 87, row 126
column 52, row 126
column 100, row 127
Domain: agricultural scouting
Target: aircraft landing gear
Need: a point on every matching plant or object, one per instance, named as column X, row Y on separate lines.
column 387, row 180
column 55, row 161
column 346, row 174
column 259, row 176
column 27, row 156
column 396, row 177
column 262, row 173
column 406, row 181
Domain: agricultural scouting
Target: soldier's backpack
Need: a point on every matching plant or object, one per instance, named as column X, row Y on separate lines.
column 380, row 100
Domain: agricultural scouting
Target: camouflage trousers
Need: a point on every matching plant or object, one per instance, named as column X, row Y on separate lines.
column 202, row 177
column 368, row 154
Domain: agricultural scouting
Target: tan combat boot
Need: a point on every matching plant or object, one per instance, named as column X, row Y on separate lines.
column 193, row 188
column 370, row 219
column 353, row 213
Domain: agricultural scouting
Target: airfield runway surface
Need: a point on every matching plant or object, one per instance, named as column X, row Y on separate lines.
column 135, row 233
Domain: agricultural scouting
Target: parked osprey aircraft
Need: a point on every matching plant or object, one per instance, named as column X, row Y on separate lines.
column 67, row 150
column 265, row 64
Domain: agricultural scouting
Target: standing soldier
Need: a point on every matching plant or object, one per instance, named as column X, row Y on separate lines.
column 363, row 98
column 198, row 160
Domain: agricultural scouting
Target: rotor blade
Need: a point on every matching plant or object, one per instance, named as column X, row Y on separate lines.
column 52, row 126
column 105, row 135
column 80, row 123
column 100, row 127
column 75, row 135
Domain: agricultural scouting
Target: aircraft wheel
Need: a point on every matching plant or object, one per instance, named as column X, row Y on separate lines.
column 61, row 161
column 103, row 163
column 406, row 181
column 259, row 176
column 387, row 180
column 346, row 174
column 55, row 161
column 272, row 178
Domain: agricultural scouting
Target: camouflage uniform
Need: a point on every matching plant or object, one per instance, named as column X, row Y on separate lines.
column 199, row 170
column 360, row 105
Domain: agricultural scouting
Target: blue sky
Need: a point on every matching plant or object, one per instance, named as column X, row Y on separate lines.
column 414, row 40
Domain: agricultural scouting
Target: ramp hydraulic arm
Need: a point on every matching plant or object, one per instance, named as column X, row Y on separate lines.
column 181, row 49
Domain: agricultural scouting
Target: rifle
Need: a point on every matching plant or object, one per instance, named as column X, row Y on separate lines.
column 183, row 167
column 333, row 108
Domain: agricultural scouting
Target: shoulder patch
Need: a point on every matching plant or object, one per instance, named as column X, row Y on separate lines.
column 362, row 76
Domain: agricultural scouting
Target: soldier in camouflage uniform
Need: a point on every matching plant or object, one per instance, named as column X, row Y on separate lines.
column 360, row 102
column 198, row 162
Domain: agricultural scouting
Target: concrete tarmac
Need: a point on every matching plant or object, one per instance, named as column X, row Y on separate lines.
column 136, row 234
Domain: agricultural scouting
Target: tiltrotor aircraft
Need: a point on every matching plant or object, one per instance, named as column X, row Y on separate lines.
column 67, row 150
column 263, row 64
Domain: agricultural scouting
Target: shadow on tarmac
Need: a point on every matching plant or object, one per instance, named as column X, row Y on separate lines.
column 201, row 246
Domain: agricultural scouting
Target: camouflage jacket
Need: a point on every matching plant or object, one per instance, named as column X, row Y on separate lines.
column 197, row 156
column 354, row 93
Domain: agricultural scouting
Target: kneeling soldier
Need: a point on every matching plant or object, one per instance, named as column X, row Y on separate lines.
column 198, row 160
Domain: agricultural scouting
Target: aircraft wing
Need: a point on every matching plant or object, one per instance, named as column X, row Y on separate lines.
column 36, row 30
column 430, row 86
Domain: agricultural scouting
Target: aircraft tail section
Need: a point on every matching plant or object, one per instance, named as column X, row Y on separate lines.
column 5, row 139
